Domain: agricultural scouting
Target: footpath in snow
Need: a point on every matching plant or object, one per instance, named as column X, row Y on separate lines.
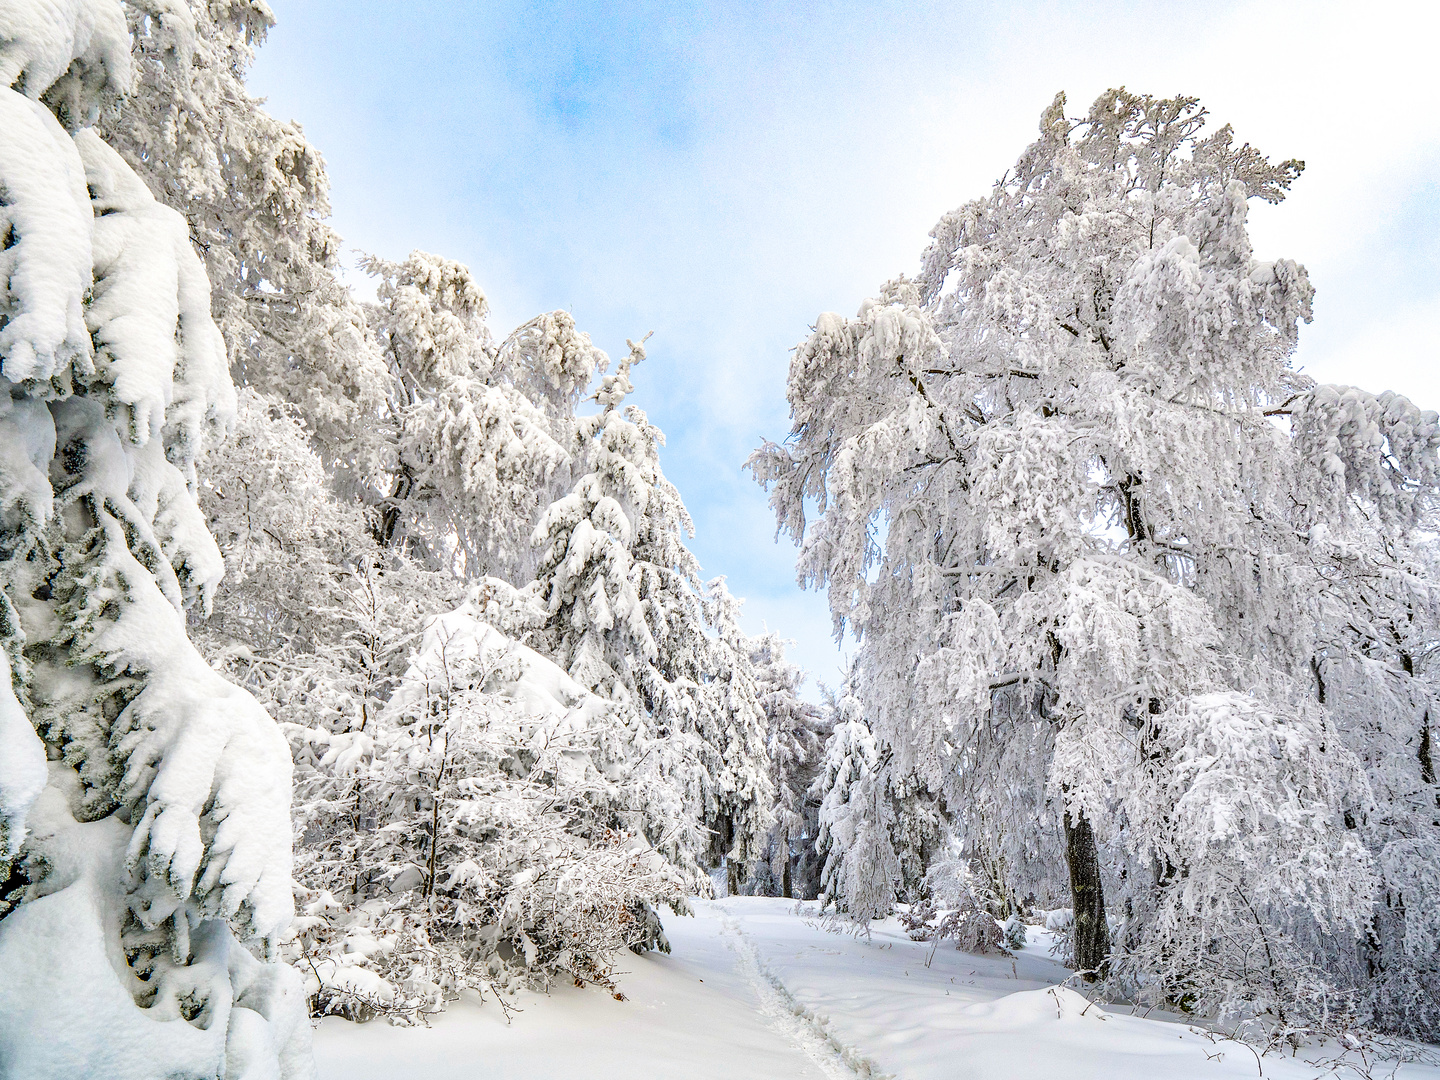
column 754, row 991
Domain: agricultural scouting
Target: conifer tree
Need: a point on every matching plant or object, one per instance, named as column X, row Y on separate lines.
column 734, row 723
column 158, row 847
column 255, row 195
column 629, row 618
column 795, row 743
column 861, row 871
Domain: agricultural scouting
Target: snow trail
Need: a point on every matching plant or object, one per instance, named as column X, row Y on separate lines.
column 801, row 1025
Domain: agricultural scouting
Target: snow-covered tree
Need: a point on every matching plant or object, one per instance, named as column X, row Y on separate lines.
column 734, row 724
column 256, row 197
column 157, row 848
column 795, row 737
column 384, row 459
column 1373, row 677
column 312, row 617
column 480, row 430
column 1060, row 505
column 630, row 619
column 861, row 872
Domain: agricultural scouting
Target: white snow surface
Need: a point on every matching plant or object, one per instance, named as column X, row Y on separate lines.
column 46, row 263
column 67, row 1006
column 23, row 770
column 756, row 990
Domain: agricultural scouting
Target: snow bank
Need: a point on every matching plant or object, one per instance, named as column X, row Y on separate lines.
column 68, row 1000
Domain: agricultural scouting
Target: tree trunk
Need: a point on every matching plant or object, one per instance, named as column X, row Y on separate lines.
column 1427, row 759
column 785, row 875
column 732, row 877
column 389, row 520
column 1087, row 896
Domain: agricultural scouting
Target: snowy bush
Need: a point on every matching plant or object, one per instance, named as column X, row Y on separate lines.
column 482, row 832
column 1014, row 933
column 951, row 911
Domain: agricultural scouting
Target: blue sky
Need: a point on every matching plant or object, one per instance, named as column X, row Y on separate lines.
column 722, row 173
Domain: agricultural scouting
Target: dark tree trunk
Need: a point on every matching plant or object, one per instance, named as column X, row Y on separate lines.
column 785, row 876
column 1087, row 896
column 389, row 522
column 1427, row 759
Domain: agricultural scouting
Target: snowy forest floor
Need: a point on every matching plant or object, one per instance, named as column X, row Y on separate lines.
column 754, row 990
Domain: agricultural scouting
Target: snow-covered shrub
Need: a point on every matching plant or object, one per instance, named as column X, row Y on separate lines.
column 1014, row 933
column 483, row 831
column 916, row 919
column 971, row 927
column 950, row 911
column 954, row 889
column 1059, row 921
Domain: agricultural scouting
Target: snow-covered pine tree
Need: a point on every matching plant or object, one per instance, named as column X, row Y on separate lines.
column 159, row 841
column 597, row 628
column 628, row 620
column 733, row 722
column 861, row 872
column 795, row 740
column 1057, row 510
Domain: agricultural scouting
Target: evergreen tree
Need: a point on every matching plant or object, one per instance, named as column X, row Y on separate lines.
column 255, row 195
column 629, row 618
column 734, row 723
column 795, row 737
column 861, row 872
column 160, row 841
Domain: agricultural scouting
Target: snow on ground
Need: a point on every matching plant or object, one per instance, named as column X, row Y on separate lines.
column 755, row 990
